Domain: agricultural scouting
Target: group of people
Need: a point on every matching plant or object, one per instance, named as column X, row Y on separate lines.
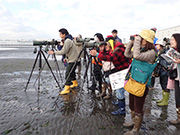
column 112, row 56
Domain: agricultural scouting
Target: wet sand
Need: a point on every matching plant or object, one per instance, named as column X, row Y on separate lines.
column 29, row 113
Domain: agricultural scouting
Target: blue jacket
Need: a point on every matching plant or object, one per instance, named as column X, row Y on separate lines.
column 118, row 39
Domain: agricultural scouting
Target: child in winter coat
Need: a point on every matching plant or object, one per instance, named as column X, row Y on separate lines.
column 108, row 68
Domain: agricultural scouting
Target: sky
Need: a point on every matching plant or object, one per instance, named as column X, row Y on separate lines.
column 42, row 19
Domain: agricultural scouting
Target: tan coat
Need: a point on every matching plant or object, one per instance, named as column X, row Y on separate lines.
column 69, row 49
column 148, row 56
column 79, row 48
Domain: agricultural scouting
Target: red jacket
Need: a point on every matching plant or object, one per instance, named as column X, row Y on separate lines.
column 117, row 57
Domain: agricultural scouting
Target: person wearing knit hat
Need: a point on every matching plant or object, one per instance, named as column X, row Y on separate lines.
column 110, row 39
column 145, row 52
column 155, row 39
column 108, row 68
column 154, row 29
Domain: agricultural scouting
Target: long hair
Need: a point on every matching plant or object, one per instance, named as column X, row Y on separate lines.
column 100, row 37
column 177, row 38
column 149, row 46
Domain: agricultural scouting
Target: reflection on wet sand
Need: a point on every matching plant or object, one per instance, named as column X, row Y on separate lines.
column 22, row 112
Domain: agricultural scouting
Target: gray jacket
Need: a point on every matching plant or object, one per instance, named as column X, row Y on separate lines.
column 148, row 56
column 69, row 49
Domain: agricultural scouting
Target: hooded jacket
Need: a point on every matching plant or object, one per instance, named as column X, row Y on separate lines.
column 69, row 49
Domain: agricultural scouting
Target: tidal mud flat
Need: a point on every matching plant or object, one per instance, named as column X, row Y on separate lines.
column 32, row 113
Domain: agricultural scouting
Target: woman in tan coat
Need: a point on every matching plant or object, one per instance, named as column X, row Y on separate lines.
column 143, row 50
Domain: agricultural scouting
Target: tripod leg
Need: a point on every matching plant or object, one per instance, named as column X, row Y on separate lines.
column 51, row 70
column 58, row 67
column 41, row 70
column 32, row 71
column 74, row 65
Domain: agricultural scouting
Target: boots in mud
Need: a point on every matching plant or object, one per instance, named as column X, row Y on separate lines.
column 176, row 122
column 159, row 101
column 109, row 95
column 122, row 109
column 130, row 124
column 103, row 93
column 137, row 125
column 165, row 99
column 66, row 90
column 75, row 84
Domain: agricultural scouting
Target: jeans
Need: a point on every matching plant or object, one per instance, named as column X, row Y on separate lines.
column 120, row 93
column 107, row 80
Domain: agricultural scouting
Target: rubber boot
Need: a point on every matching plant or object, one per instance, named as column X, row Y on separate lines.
column 121, row 110
column 103, row 93
column 165, row 99
column 115, row 102
column 130, row 124
column 159, row 101
column 109, row 95
column 176, row 122
column 66, row 90
column 75, row 84
column 137, row 125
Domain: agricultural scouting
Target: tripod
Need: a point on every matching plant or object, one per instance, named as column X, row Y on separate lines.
column 39, row 56
column 56, row 63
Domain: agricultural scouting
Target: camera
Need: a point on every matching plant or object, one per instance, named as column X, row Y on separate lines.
column 92, row 44
column 84, row 40
column 40, row 43
column 132, row 37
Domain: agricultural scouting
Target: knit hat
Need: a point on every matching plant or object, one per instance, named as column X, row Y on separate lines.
column 154, row 29
column 148, row 35
column 160, row 42
column 110, row 39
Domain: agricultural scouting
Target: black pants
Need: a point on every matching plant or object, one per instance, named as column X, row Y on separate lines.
column 163, row 82
column 177, row 94
column 70, row 77
column 98, row 75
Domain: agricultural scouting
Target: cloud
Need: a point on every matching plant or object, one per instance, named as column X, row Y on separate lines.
column 17, row 1
column 12, row 27
column 43, row 18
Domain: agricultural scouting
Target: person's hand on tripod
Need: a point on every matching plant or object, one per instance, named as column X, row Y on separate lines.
column 93, row 52
column 50, row 52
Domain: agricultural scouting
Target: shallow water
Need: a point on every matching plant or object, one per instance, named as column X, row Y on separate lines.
column 47, row 113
